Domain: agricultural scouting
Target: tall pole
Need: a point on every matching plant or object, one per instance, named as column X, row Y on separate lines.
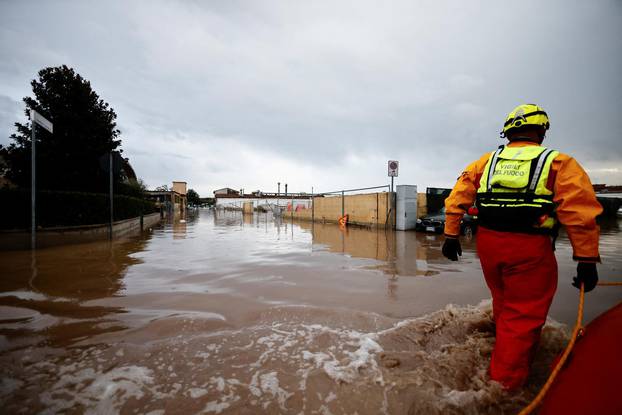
column 33, row 229
column 393, row 202
column 111, row 200
column 312, row 207
column 343, row 205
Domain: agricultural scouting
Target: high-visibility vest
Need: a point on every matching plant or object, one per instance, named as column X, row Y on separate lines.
column 512, row 194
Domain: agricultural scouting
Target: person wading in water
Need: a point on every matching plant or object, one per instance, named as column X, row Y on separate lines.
column 522, row 193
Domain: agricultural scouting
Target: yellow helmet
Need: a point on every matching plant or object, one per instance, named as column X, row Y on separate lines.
column 525, row 115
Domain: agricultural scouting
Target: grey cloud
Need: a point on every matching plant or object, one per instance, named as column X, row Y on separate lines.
column 11, row 112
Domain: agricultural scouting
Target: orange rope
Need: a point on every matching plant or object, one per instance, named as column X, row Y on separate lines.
column 577, row 327
column 575, row 332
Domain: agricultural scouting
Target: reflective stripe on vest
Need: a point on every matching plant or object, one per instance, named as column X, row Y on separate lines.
column 512, row 192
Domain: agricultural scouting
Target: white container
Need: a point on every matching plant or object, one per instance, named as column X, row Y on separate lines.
column 405, row 207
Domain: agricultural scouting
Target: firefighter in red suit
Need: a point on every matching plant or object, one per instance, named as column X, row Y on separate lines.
column 522, row 193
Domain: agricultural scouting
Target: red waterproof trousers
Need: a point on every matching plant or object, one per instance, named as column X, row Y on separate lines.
column 521, row 272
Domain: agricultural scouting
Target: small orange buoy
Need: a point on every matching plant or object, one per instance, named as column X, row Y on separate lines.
column 343, row 221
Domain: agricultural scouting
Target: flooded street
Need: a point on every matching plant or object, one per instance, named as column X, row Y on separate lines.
column 226, row 313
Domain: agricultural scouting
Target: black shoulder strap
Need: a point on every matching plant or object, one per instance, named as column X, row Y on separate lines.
column 491, row 169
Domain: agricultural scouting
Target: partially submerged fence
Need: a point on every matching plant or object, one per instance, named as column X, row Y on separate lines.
column 375, row 208
column 370, row 206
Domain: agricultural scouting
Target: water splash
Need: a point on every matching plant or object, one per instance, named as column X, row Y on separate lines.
column 292, row 360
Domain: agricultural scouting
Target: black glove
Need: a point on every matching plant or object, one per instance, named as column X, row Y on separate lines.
column 586, row 274
column 452, row 248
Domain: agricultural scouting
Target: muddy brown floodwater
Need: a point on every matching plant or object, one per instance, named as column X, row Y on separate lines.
column 241, row 314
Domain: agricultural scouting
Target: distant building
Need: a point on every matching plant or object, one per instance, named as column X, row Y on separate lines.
column 171, row 202
column 180, row 187
column 226, row 191
column 603, row 188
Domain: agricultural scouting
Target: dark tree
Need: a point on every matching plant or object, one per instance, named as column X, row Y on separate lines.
column 193, row 198
column 85, row 130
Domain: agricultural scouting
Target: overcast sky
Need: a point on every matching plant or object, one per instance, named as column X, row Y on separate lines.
column 323, row 94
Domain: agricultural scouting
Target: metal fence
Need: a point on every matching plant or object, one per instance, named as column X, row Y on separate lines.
column 342, row 194
column 278, row 204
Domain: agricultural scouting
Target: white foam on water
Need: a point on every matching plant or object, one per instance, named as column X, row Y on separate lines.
column 463, row 398
column 216, row 406
column 25, row 295
column 433, row 364
column 269, row 383
column 219, row 405
column 347, row 369
column 197, row 392
column 219, row 382
column 97, row 392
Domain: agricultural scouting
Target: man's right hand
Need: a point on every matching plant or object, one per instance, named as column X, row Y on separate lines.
column 586, row 274
column 452, row 248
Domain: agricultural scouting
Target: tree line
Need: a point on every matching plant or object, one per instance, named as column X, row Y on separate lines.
column 75, row 156
column 72, row 164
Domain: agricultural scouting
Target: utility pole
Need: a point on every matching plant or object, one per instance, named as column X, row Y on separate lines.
column 35, row 118
column 110, row 177
column 33, row 204
column 312, row 207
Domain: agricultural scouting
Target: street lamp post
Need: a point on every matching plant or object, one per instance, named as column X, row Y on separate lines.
column 110, row 178
column 35, row 118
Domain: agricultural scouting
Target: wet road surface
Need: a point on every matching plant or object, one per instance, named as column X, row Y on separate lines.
column 226, row 313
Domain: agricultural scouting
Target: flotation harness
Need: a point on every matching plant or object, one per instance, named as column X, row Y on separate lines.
column 512, row 194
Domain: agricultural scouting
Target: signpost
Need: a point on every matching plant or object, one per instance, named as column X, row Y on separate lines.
column 35, row 118
column 393, row 168
column 111, row 163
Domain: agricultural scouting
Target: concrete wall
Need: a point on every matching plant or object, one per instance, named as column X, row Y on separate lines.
column 248, row 208
column 15, row 240
column 235, row 202
column 179, row 187
column 422, row 205
column 363, row 209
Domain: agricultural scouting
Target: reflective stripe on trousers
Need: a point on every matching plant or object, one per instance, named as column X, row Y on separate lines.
column 521, row 273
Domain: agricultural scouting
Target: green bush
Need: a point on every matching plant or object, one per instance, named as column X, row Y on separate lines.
column 55, row 208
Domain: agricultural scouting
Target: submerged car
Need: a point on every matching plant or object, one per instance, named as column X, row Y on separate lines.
column 436, row 223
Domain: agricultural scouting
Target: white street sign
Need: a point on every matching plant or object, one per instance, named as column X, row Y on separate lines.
column 393, row 167
column 41, row 120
